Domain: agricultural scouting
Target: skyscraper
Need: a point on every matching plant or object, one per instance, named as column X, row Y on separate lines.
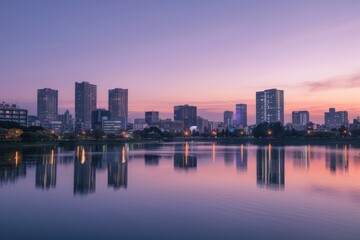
column 151, row 116
column 47, row 104
column 300, row 117
column 270, row 106
column 335, row 119
column 228, row 118
column 85, row 101
column 118, row 105
column 241, row 115
column 187, row 114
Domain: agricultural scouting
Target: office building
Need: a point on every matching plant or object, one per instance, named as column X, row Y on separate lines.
column 65, row 118
column 98, row 116
column 139, row 124
column 11, row 113
column 241, row 115
column 270, row 106
column 47, row 105
column 300, row 118
column 112, row 126
column 151, row 116
column 203, row 125
column 167, row 125
column 228, row 119
column 187, row 114
column 334, row 119
column 85, row 101
column 118, row 105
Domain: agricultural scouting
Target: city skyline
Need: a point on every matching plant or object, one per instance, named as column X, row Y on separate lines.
column 166, row 48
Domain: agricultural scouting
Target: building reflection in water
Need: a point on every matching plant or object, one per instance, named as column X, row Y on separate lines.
column 241, row 158
column 213, row 151
column 151, row 159
column 12, row 168
column 270, row 167
column 184, row 160
column 46, row 172
column 118, row 172
column 84, row 173
column 229, row 156
column 337, row 160
column 302, row 157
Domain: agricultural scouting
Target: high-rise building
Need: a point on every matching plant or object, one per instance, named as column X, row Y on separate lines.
column 241, row 115
column 47, row 104
column 187, row 114
column 335, row 119
column 202, row 125
column 85, row 101
column 97, row 117
column 270, row 106
column 228, row 119
column 118, row 105
column 139, row 124
column 65, row 118
column 11, row 113
column 151, row 116
column 300, row 118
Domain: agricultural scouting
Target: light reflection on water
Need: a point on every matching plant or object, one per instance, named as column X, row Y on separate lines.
column 180, row 190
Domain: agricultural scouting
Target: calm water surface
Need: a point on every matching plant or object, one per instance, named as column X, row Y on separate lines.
column 180, row 191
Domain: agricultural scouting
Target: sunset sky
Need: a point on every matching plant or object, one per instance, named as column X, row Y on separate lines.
column 208, row 53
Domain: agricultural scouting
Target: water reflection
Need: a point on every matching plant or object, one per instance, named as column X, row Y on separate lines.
column 338, row 160
column 113, row 160
column 183, row 159
column 45, row 177
column 270, row 167
column 323, row 203
column 12, row 168
column 241, row 158
column 84, row 173
column 301, row 157
column 118, row 171
column 151, row 159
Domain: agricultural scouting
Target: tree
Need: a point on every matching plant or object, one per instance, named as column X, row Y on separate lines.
column 97, row 134
column 29, row 137
column 268, row 130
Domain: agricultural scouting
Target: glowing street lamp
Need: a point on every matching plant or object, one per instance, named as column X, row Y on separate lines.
column 213, row 133
column 186, row 133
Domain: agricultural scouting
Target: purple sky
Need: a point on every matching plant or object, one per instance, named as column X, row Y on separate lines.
column 213, row 54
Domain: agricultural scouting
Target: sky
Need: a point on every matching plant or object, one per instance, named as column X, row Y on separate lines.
column 208, row 53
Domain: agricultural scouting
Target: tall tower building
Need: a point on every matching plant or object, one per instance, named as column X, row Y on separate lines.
column 300, row 118
column 241, row 115
column 187, row 114
column 228, row 118
column 85, row 101
column 270, row 106
column 151, row 116
column 118, row 105
column 47, row 104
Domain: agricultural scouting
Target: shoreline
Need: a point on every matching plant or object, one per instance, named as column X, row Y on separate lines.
column 255, row 141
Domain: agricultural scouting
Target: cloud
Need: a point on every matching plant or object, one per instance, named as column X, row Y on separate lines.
column 339, row 82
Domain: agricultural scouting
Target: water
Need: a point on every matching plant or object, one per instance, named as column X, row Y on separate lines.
column 180, row 191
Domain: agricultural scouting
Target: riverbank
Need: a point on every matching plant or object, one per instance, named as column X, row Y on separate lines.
column 254, row 141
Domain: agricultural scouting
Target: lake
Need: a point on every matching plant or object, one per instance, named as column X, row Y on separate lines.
column 188, row 190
